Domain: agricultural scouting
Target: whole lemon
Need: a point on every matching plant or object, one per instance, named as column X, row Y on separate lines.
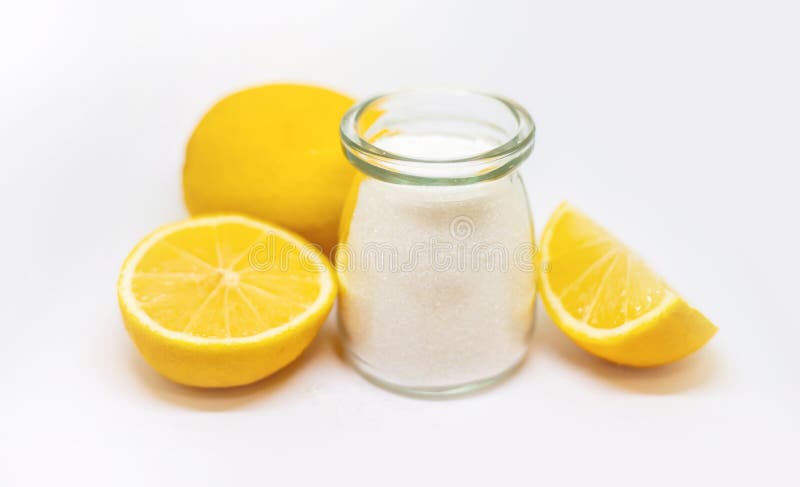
column 272, row 152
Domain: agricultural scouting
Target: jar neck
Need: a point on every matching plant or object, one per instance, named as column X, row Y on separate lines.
column 428, row 137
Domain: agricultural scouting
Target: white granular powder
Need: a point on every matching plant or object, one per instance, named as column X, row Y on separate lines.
column 438, row 286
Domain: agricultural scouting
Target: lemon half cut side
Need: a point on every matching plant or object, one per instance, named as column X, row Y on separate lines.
column 223, row 300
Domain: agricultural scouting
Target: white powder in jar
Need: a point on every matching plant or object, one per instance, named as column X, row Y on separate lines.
column 437, row 288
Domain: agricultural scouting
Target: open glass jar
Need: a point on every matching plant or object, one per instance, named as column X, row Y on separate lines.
column 435, row 259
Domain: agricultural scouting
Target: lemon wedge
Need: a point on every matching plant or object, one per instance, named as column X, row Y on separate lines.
column 223, row 300
column 606, row 299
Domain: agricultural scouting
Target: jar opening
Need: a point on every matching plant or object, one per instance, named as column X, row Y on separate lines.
column 437, row 136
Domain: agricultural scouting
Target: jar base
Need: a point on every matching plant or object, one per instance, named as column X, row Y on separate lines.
column 462, row 389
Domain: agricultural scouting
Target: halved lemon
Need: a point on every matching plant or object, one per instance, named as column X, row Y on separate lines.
column 223, row 300
column 606, row 299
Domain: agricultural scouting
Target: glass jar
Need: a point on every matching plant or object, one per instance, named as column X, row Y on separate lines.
column 435, row 260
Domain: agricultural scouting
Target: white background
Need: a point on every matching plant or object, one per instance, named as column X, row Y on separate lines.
column 675, row 124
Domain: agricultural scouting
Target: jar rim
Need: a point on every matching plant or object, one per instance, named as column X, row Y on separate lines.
column 393, row 167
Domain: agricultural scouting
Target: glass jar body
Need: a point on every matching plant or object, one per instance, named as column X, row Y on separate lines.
column 437, row 289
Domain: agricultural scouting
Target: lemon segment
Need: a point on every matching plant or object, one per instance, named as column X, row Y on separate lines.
column 608, row 301
column 223, row 300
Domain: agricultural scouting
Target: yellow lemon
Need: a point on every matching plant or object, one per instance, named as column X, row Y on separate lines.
column 272, row 152
column 223, row 300
column 608, row 301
